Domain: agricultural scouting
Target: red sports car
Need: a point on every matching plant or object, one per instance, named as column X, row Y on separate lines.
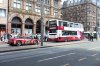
column 23, row 40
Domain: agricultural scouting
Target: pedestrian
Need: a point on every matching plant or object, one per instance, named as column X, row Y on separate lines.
column 33, row 35
column 5, row 37
column 1, row 38
column 92, row 37
column 39, row 36
column 8, row 36
column 19, row 35
column 12, row 35
column 25, row 35
column 89, row 37
column 46, row 38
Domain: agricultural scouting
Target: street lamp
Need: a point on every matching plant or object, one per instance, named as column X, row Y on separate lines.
column 7, row 16
column 42, row 23
column 97, row 34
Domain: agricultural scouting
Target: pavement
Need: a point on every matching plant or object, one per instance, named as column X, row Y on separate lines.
column 7, row 48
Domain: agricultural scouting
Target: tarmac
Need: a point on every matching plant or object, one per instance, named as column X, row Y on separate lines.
column 7, row 48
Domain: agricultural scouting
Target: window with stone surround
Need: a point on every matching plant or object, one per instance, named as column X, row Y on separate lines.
column 2, row 12
column 17, row 4
column 55, row 3
column 28, row 5
column 55, row 12
column 38, row 9
column 47, row 10
column 89, row 11
column 47, row 2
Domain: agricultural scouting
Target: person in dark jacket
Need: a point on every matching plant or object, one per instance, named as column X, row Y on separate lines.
column 89, row 37
column 92, row 35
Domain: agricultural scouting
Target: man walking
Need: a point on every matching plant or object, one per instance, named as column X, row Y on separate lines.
column 92, row 35
column 89, row 37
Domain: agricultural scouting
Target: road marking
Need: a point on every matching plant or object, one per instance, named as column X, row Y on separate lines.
column 92, row 49
column 16, row 52
column 70, row 53
column 98, row 59
column 66, row 65
column 19, row 58
column 55, row 57
column 52, row 58
column 94, row 55
column 82, row 59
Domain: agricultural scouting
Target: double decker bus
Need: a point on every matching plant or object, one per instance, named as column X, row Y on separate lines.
column 60, row 30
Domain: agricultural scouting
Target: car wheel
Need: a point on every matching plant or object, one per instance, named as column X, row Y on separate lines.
column 19, row 43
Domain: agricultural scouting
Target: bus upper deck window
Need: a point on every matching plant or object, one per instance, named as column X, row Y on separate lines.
column 65, row 24
column 60, row 23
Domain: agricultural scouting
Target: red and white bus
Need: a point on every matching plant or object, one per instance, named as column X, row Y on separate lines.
column 60, row 30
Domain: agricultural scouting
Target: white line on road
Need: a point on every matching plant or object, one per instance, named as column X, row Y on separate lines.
column 98, row 59
column 66, row 65
column 52, row 58
column 19, row 58
column 94, row 55
column 55, row 57
column 70, row 53
column 82, row 59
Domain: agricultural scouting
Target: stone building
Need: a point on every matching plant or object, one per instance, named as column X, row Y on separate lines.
column 3, row 16
column 82, row 11
column 25, row 15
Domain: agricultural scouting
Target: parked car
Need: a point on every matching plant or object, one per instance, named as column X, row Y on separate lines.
column 23, row 40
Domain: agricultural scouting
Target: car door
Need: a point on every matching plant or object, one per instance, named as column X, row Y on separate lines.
column 28, row 40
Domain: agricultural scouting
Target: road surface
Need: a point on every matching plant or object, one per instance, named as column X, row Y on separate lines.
column 83, row 54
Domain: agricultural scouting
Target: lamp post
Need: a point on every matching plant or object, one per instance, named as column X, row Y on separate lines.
column 42, row 23
column 7, row 16
column 97, row 34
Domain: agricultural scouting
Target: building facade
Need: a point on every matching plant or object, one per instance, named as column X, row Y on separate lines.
column 82, row 11
column 25, row 15
column 3, row 16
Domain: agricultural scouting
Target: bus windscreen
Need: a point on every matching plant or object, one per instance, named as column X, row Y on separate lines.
column 53, row 31
column 52, row 23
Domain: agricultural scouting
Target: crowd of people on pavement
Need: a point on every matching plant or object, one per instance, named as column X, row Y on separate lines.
column 38, row 36
column 7, row 36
